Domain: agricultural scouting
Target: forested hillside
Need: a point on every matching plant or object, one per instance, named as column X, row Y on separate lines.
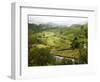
column 50, row 44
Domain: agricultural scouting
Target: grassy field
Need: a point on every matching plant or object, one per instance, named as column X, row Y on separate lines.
column 69, row 53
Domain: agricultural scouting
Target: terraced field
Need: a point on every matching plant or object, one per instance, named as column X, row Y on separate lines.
column 67, row 42
column 68, row 53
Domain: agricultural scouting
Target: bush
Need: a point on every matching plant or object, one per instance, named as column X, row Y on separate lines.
column 40, row 57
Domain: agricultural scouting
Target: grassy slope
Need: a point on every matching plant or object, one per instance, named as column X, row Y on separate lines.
column 58, row 39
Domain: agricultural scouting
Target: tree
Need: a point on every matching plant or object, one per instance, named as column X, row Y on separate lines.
column 75, row 43
column 83, row 56
column 40, row 57
column 79, row 42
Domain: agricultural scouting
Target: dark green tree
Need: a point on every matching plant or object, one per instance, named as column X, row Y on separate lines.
column 75, row 43
column 40, row 57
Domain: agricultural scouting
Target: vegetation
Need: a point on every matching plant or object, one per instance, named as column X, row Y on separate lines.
column 57, row 45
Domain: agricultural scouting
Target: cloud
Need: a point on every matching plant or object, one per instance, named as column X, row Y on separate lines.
column 57, row 20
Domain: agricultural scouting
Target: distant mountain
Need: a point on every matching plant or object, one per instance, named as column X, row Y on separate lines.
column 43, row 27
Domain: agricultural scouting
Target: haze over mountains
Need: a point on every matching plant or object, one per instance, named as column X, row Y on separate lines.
column 56, row 21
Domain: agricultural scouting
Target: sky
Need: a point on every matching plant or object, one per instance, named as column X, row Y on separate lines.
column 68, row 21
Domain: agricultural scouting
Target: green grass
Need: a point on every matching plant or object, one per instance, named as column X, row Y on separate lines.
column 68, row 53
